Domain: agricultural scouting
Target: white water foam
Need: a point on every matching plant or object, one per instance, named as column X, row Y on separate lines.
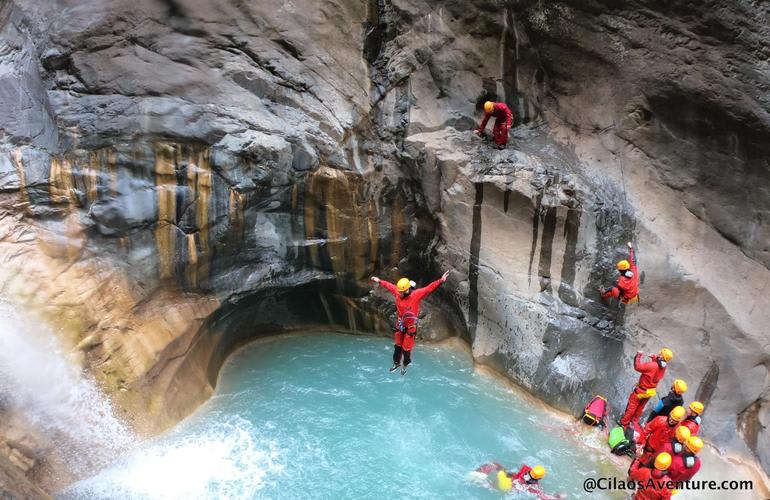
column 227, row 462
column 39, row 381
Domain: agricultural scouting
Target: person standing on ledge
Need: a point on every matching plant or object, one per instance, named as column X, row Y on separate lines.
column 627, row 287
column 503, row 121
column 408, row 299
column 652, row 372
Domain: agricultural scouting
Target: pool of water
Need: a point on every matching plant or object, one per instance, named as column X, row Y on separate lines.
column 319, row 416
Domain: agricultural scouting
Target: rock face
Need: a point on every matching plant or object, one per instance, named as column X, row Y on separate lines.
column 181, row 176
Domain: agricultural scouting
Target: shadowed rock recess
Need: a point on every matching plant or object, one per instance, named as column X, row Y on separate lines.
column 178, row 177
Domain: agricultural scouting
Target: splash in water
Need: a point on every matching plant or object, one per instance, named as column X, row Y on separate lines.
column 40, row 382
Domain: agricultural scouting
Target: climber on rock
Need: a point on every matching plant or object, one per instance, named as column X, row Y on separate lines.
column 674, row 398
column 503, row 121
column 685, row 465
column 659, row 432
column 627, row 286
column 653, row 483
column 652, row 372
column 408, row 300
column 693, row 419
column 527, row 479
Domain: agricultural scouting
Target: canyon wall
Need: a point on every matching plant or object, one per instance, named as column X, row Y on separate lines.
column 181, row 176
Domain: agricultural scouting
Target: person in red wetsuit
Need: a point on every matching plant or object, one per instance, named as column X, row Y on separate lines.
column 527, row 478
column 659, row 432
column 627, row 286
column 685, row 465
column 692, row 421
column 675, row 446
column 653, row 483
column 503, row 121
column 652, row 373
column 408, row 300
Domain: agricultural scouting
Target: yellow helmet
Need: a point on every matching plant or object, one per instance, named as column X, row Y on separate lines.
column 680, row 386
column 403, row 285
column 537, row 472
column 694, row 444
column 663, row 461
column 623, row 265
column 489, row 106
column 682, row 433
column 666, row 354
column 504, row 482
column 677, row 413
column 696, row 407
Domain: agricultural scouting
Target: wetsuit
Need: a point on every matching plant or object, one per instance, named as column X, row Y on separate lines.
column 627, row 286
column 653, row 482
column 684, row 466
column 656, row 435
column 652, row 372
column 503, row 121
column 692, row 422
column 408, row 309
column 665, row 405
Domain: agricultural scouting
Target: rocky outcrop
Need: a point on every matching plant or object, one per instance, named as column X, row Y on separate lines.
column 181, row 177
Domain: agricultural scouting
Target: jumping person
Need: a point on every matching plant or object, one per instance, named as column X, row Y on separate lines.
column 408, row 300
column 652, row 372
column 627, row 286
column 503, row 121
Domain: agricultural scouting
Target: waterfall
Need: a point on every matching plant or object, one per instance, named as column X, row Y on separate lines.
column 39, row 383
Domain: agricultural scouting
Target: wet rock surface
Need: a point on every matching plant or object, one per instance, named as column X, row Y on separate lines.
column 180, row 177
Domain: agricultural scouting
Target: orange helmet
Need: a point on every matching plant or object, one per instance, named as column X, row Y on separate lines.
column 677, row 413
column 694, row 444
column 624, row 265
column 680, row 386
column 489, row 106
column 666, row 354
column 663, row 461
column 696, row 407
column 682, row 433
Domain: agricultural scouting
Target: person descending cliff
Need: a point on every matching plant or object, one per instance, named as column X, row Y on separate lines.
column 673, row 399
column 408, row 299
column 526, row 478
column 652, row 372
column 503, row 121
column 693, row 419
column 627, row 286
column 659, row 432
column 653, row 483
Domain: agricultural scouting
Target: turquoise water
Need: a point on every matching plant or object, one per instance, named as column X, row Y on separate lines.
column 319, row 416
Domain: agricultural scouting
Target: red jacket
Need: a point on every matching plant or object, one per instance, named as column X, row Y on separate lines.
column 626, row 288
column 692, row 424
column 651, row 372
column 410, row 303
column 679, row 470
column 656, row 489
column 534, row 486
column 658, row 433
column 500, row 112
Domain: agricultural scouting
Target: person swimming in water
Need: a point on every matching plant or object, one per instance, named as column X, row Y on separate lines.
column 525, row 479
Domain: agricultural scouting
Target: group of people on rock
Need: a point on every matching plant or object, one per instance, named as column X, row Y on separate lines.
column 668, row 444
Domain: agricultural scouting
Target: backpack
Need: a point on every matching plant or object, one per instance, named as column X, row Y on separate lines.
column 595, row 411
column 621, row 441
